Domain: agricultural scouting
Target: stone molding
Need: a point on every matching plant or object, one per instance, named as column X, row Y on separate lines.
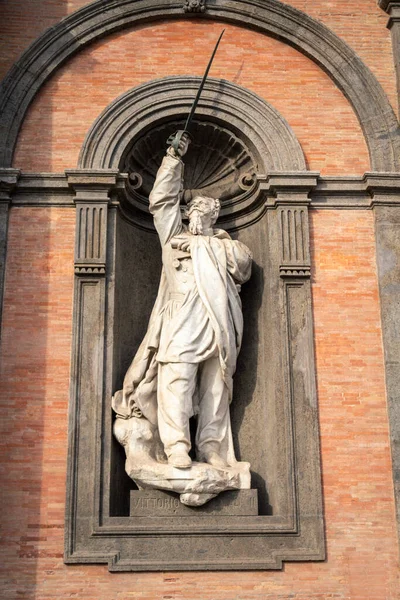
column 125, row 118
column 332, row 192
column 271, row 17
column 8, row 182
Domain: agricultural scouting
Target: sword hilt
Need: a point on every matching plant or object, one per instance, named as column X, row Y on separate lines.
column 175, row 139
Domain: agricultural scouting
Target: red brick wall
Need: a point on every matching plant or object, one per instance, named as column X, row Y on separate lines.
column 317, row 111
column 356, row 466
column 361, row 24
column 35, row 356
column 23, row 21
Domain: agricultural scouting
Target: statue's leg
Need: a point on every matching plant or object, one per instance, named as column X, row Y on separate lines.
column 213, row 437
column 176, row 385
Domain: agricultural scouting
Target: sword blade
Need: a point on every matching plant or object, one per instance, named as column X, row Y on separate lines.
column 201, row 86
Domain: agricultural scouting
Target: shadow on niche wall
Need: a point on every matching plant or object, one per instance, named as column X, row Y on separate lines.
column 137, row 276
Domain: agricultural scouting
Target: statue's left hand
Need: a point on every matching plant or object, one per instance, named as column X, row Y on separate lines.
column 182, row 244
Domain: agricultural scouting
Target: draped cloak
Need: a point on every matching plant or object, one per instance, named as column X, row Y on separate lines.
column 206, row 320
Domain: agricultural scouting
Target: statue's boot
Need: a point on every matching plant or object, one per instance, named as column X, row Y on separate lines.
column 180, row 459
column 213, row 459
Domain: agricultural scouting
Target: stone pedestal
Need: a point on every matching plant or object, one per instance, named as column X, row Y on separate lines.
column 155, row 503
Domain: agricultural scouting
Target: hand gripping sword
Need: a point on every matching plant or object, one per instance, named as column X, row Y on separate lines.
column 175, row 138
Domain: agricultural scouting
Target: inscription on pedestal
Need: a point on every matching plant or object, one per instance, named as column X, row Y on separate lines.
column 155, row 503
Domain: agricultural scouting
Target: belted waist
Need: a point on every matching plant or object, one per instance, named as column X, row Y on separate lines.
column 176, row 296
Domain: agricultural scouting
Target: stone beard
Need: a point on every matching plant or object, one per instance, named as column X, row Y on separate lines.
column 186, row 362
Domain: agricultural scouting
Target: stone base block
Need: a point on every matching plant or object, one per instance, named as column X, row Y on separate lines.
column 155, row 503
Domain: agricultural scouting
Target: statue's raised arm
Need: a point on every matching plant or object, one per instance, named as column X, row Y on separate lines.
column 166, row 193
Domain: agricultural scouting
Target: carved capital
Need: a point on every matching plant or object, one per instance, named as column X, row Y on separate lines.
column 288, row 194
column 288, row 188
column 92, row 196
column 92, row 185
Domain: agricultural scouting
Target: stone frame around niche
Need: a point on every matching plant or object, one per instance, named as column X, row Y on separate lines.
column 94, row 533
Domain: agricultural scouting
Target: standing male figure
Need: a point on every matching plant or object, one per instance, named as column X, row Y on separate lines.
column 187, row 359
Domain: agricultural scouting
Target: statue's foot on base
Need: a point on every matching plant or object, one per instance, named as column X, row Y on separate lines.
column 213, row 459
column 198, row 482
column 180, row 460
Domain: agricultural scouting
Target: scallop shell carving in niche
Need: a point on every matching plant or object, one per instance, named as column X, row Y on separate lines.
column 217, row 164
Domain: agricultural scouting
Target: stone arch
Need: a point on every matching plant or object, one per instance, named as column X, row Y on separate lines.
column 271, row 17
column 264, row 129
column 254, row 139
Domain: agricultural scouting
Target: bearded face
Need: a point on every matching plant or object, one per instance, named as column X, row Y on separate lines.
column 202, row 213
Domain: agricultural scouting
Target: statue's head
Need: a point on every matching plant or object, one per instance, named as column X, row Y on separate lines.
column 202, row 213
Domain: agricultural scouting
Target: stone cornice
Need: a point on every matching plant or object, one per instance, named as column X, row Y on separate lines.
column 8, row 181
column 287, row 188
column 388, row 5
column 347, row 192
column 392, row 9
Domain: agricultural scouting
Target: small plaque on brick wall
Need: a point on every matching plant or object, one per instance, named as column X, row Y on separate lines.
column 155, row 503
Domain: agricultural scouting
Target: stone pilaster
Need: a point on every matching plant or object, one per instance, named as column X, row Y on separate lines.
column 289, row 197
column 385, row 194
column 8, row 181
column 92, row 197
column 393, row 10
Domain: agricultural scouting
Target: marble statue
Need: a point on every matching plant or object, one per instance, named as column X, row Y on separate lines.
column 185, row 364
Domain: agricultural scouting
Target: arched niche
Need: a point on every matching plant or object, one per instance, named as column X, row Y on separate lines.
column 117, row 265
column 247, row 137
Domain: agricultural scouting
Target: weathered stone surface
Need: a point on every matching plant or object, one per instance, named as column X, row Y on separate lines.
column 387, row 228
column 160, row 504
column 8, row 182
